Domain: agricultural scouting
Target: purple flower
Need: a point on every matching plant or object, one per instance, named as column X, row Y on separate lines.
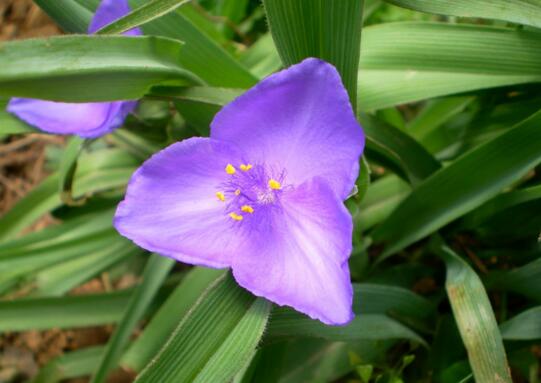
column 92, row 119
column 263, row 195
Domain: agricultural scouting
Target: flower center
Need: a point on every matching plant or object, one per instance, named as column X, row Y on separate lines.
column 249, row 189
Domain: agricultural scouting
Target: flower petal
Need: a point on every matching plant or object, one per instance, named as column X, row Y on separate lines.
column 300, row 260
column 86, row 119
column 109, row 11
column 171, row 205
column 299, row 119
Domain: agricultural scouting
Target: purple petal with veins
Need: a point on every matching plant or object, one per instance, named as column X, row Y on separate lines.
column 263, row 195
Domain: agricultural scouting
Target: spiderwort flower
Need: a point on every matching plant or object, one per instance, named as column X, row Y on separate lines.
column 84, row 119
column 263, row 195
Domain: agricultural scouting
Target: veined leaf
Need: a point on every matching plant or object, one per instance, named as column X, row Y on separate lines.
column 327, row 29
column 100, row 68
column 371, row 303
column 62, row 277
column 214, row 340
column 516, row 11
column 524, row 326
column 464, row 185
column 156, row 333
column 398, row 149
column 412, row 61
column 74, row 17
column 200, row 54
column 142, row 15
column 525, row 280
column 476, row 322
column 362, row 327
column 62, row 312
column 154, row 274
column 97, row 171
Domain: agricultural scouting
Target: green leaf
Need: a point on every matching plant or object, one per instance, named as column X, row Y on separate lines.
column 435, row 113
column 100, row 68
column 142, row 15
column 200, row 54
column 70, row 365
column 524, row 326
column 516, row 11
column 362, row 327
column 68, row 166
column 525, row 280
column 215, row 340
column 371, row 303
column 327, row 29
column 500, row 203
column 399, row 149
column 381, row 199
column 64, row 276
column 98, row 171
column 10, row 124
column 155, row 272
column 74, row 17
column 62, row 312
column 156, row 333
column 463, row 185
column 261, row 57
column 475, row 319
column 412, row 61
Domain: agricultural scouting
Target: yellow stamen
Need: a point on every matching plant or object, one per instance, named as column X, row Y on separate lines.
column 230, row 169
column 237, row 192
column 247, row 209
column 245, row 168
column 275, row 185
column 220, row 196
column 235, row 216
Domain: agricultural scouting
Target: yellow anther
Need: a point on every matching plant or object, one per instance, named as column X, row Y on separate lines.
column 230, row 169
column 220, row 196
column 237, row 192
column 245, row 168
column 275, row 185
column 235, row 216
column 247, row 209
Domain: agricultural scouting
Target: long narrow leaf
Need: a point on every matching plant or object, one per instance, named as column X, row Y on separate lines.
column 462, row 186
column 100, row 68
column 517, row 11
column 155, row 272
column 330, row 30
column 411, row 61
column 476, row 322
column 142, row 15
column 205, row 334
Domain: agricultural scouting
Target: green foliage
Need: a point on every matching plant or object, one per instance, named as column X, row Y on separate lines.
column 446, row 261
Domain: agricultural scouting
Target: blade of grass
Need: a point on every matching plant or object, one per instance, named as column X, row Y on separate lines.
column 162, row 325
column 411, row 61
column 327, row 29
column 101, row 68
column 462, row 186
column 154, row 274
column 524, row 326
column 203, row 338
column 475, row 319
column 142, row 15
column 516, row 11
